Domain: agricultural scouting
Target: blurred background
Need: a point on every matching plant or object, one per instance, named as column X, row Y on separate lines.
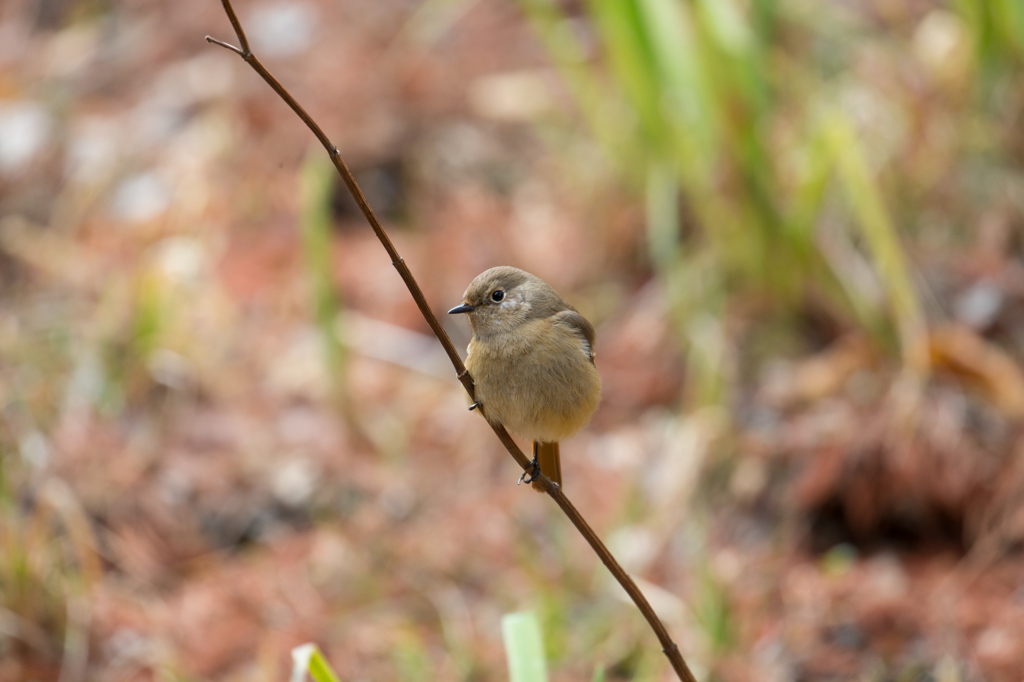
column 225, row 429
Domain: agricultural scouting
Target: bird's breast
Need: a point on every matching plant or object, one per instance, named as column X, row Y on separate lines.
column 537, row 380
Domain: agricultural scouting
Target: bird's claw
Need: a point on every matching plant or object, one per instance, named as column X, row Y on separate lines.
column 474, row 406
column 533, row 472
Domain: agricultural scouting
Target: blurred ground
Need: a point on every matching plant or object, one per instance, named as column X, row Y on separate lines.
column 193, row 483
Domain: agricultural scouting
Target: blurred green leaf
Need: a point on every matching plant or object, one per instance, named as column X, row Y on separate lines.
column 997, row 27
column 630, row 59
column 599, row 110
column 879, row 233
column 682, row 91
column 308, row 659
column 524, row 647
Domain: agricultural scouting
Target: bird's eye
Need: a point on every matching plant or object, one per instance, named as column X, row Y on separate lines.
column 497, row 295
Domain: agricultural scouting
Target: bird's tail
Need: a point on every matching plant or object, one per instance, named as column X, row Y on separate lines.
column 550, row 461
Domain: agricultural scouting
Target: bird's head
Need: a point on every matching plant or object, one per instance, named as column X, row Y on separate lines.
column 501, row 299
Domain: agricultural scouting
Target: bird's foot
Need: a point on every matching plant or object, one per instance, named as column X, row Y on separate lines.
column 532, row 473
column 474, row 406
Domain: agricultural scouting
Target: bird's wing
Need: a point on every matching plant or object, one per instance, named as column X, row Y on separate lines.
column 580, row 326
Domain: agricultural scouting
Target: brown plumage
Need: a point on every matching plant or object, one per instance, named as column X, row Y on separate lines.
column 532, row 360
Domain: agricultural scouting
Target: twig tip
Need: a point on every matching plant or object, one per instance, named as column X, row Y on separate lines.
column 226, row 46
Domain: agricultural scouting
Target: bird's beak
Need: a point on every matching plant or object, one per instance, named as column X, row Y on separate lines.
column 464, row 308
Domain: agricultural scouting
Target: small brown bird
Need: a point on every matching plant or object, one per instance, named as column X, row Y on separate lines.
column 532, row 361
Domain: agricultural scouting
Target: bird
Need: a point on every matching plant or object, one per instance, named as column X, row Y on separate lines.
column 532, row 362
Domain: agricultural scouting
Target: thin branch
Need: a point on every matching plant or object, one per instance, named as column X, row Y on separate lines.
column 668, row 646
column 226, row 46
column 237, row 25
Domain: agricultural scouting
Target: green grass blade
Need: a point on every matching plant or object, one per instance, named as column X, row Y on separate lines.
column 728, row 26
column 684, row 97
column 594, row 101
column 308, row 659
column 1009, row 17
column 879, row 233
column 629, row 55
column 524, row 647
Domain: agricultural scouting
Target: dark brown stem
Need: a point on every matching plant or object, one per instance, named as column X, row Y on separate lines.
column 667, row 645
